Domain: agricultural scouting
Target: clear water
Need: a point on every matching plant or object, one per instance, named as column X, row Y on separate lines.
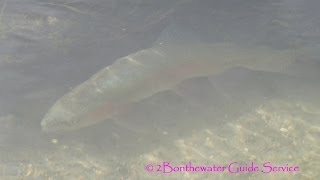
column 240, row 115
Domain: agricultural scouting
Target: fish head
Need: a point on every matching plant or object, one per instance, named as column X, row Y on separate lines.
column 58, row 120
column 63, row 118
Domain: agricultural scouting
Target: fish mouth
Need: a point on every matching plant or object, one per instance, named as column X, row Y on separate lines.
column 58, row 120
column 50, row 125
column 44, row 127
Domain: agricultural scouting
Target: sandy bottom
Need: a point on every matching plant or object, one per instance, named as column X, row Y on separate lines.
column 278, row 131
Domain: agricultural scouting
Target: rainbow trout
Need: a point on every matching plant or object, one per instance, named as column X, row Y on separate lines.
column 149, row 71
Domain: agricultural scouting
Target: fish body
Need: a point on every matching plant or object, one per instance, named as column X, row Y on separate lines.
column 149, row 71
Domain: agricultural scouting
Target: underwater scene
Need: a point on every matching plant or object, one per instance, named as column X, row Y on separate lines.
column 149, row 89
